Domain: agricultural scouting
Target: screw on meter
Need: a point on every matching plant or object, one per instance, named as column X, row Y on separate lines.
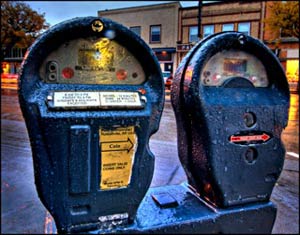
column 231, row 98
column 89, row 89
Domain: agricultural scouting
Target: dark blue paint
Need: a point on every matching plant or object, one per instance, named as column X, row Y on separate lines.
column 65, row 143
column 207, row 116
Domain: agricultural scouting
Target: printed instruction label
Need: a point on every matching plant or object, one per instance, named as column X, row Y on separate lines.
column 120, row 98
column 96, row 99
column 118, row 147
column 76, row 99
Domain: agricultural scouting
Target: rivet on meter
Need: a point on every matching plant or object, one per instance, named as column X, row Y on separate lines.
column 249, row 119
column 242, row 39
column 144, row 98
column 50, row 97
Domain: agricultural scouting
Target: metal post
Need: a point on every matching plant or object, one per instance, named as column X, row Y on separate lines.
column 199, row 18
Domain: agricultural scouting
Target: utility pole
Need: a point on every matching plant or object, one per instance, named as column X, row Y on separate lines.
column 199, row 18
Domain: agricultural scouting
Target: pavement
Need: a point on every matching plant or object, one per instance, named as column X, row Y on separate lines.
column 22, row 211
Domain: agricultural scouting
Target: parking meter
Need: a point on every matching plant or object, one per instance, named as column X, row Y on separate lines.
column 231, row 98
column 91, row 93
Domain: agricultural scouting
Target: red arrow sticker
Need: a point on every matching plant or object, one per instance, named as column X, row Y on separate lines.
column 249, row 138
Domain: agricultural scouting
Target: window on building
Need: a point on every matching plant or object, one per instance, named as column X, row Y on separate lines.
column 11, row 67
column 155, row 33
column 16, row 53
column 244, row 28
column 208, row 30
column 193, row 34
column 227, row 27
column 136, row 30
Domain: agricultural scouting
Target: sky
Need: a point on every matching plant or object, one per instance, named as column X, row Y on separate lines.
column 58, row 11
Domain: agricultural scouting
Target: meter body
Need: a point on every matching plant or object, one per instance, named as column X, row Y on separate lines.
column 91, row 93
column 231, row 98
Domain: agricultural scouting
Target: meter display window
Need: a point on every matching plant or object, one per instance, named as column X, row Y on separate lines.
column 92, row 61
column 233, row 63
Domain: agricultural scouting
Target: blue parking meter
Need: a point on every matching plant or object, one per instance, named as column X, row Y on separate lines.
column 91, row 93
column 231, row 99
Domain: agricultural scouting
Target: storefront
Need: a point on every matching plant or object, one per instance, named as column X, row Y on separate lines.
column 166, row 57
column 292, row 69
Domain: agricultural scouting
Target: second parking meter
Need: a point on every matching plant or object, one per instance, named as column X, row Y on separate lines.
column 231, row 99
column 92, row 94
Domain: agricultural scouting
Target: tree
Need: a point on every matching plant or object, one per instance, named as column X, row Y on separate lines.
column 283, row 20
column 20, row 25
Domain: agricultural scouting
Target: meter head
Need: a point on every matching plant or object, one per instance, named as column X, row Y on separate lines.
column 232, row 59
column 92, row 61
column 229, row 65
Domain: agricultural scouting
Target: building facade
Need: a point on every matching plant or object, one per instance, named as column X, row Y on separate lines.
column 12, row 61
column 242, row 16
column 287, row 50
column 175, row 29
column 156, row 25
column 172, row 30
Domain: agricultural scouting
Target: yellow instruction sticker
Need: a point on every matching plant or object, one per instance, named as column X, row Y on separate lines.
column 118, row 147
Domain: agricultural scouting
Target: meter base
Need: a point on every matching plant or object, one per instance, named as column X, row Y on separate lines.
column 192, row 215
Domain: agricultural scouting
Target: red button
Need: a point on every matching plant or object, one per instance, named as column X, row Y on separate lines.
column 68, row 72
column 121, row 74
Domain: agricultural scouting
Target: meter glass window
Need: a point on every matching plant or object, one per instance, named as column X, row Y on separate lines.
column 232, row 63
column 92, row 61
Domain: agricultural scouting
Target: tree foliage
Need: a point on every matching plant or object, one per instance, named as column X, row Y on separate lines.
column 20, row 25
column 284, row 18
